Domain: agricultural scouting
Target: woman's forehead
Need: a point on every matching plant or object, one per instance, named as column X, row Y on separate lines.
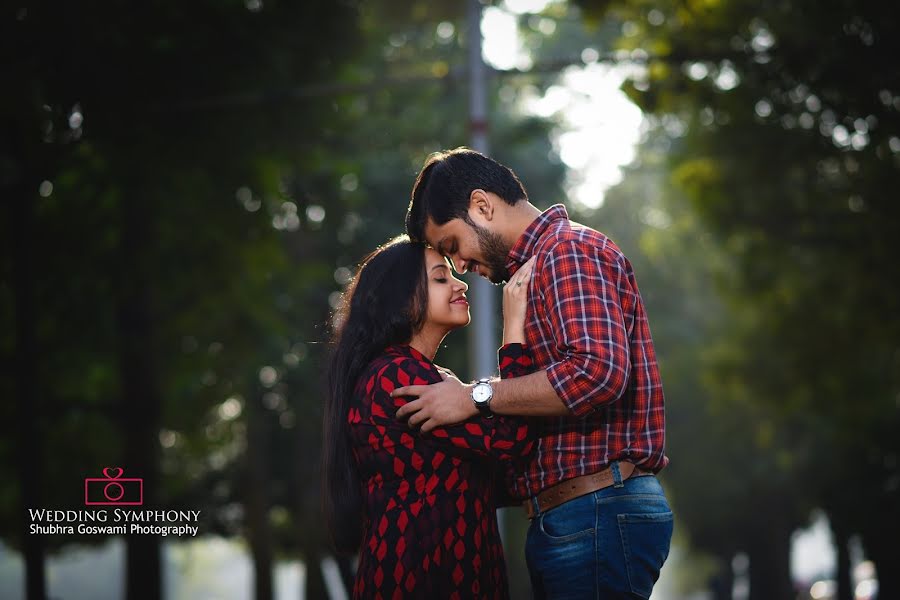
column 433, row 259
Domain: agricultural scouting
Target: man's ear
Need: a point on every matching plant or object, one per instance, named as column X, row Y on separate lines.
column 481, row 205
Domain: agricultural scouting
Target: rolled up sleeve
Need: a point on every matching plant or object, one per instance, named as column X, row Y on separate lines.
column 583, row 299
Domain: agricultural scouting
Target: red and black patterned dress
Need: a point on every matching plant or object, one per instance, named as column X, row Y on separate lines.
column 430, row 501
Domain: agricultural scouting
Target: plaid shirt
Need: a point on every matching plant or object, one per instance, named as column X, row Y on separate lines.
column 587, row 328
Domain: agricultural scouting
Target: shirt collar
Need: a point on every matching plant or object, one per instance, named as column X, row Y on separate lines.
column 524, row 247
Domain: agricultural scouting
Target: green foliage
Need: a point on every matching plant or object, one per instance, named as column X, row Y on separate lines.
column 176, row 109
column 784, row 119
column 267, row 164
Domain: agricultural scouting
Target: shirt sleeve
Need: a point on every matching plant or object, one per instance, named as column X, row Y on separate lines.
column 584, row 300
column 500, row 438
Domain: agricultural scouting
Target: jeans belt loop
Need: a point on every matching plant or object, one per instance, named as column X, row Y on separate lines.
column 617, row 475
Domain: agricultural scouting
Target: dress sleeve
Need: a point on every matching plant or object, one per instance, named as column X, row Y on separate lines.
column 499, row 438
column 514, row 360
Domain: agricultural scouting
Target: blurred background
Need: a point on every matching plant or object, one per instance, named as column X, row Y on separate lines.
column 187, row 187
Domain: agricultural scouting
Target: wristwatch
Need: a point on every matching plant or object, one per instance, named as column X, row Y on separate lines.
column 482, row 392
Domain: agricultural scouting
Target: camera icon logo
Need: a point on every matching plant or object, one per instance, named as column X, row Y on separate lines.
column 113, row 489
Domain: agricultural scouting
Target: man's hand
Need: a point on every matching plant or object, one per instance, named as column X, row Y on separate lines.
column 445, row 403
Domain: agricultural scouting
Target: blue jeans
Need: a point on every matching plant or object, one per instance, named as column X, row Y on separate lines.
column 607, row 544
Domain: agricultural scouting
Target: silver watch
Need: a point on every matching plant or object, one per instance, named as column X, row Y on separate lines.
column 482, row 392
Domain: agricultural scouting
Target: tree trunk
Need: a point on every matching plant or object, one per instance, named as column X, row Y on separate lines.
column 312, row 543
column 769, row 551
column 259, row 533
column 308, row 493
column 141, row 406
column 515, row 531
column 348, row 573
column 315, row 582
column 722, row 582
column 881, row 548
column 844, row 581
column 30, row 453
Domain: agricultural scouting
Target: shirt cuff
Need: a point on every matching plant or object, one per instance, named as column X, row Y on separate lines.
column 563, row 378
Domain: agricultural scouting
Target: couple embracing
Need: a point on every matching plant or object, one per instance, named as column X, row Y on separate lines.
column 417, row 462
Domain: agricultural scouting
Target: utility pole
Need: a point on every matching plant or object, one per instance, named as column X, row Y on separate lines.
column 482, row 337
column 482, row 330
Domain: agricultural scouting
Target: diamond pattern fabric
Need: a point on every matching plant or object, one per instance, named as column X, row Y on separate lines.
column 431, row 526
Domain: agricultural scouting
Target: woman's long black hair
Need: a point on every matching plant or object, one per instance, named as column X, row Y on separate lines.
column 385, row 304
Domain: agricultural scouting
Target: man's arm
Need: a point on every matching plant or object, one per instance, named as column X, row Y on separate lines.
column 450, row 401
column 529, row 396
column 588, row 324
column 584, row 289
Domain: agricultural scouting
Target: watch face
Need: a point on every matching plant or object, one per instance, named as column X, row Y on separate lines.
column 481, row 392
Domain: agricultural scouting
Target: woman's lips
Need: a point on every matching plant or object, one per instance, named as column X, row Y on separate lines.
column 461, row 300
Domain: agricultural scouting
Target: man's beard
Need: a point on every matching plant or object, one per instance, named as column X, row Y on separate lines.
column 495, row 253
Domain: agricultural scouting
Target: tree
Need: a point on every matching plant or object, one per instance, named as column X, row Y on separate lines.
column 178, row 120
column 789, row 151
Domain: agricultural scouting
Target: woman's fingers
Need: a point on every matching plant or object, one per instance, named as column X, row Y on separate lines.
column 527, row 269
column 523, row 275
column 518, row 283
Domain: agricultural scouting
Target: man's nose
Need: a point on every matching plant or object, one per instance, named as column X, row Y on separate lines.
column 459, row 265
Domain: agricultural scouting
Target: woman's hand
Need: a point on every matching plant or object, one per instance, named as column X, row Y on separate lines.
column 515, row 302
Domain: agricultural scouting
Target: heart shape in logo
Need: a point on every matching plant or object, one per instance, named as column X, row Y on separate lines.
column 107, row 472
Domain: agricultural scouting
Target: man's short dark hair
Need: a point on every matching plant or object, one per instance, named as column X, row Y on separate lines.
column 442, row 189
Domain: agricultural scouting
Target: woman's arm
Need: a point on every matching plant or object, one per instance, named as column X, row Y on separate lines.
column 515, row 303
column 514, row 360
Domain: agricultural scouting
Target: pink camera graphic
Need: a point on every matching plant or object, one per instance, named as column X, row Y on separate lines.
column 113, row 489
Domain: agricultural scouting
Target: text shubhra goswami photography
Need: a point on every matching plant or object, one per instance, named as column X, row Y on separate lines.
column 126, row 514
column 114, row 522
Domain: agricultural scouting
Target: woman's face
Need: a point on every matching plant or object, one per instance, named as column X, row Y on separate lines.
column 447, row 304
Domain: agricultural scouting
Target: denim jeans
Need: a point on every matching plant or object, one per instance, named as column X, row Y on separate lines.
column 607, row 544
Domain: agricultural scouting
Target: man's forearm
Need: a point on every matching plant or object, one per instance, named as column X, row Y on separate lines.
column 527, row 396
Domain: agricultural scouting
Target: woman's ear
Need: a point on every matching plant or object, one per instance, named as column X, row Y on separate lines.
column 481, row 205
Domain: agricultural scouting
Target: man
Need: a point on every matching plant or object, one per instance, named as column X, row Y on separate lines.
column 600, row 523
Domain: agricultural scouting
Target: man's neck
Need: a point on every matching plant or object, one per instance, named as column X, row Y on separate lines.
column 519, row 217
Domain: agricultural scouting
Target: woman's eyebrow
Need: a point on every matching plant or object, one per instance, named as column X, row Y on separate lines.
column 438, row 267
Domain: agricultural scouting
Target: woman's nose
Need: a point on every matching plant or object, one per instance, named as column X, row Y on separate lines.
column 460, row 284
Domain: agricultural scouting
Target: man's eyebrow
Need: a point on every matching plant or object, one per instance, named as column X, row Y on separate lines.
column 440, row 246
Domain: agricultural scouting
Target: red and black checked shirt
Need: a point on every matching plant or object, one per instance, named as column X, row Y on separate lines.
column 587, row 328
column 430, row 499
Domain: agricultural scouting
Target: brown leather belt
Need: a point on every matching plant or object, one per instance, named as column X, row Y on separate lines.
column 579, row 486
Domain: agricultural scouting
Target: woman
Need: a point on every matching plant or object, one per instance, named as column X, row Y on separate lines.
column 419, row 508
